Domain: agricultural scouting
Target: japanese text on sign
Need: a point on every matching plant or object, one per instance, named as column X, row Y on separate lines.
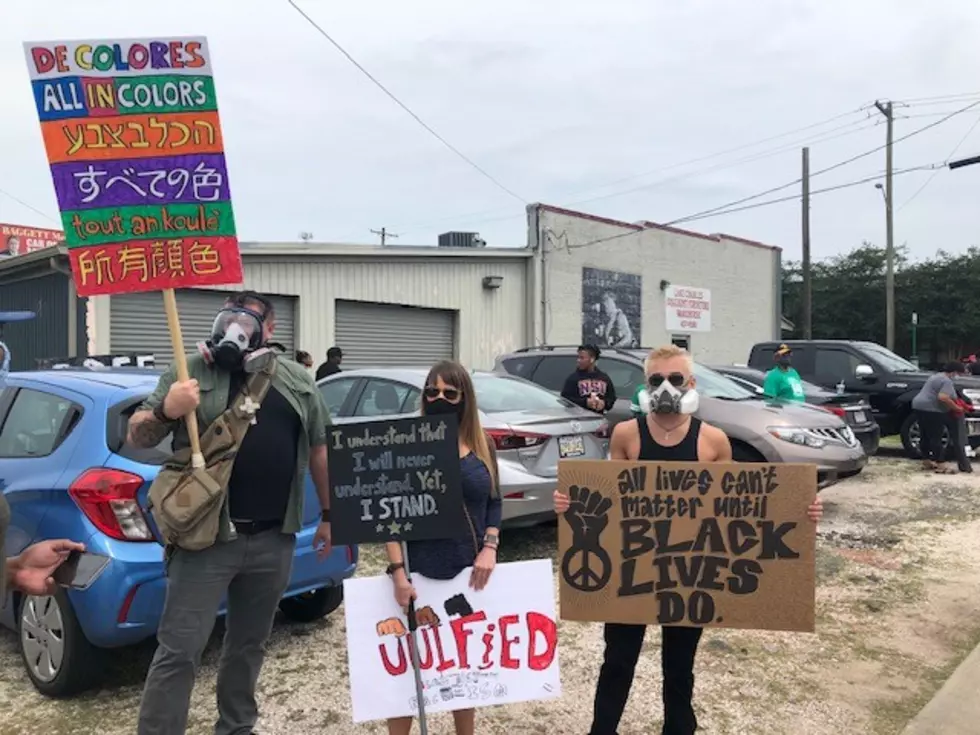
column 132, row 133
column 688, row 544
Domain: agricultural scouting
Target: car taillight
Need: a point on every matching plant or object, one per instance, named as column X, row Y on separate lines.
column 108, row 499
column 350, row 555
column 505, row 439
column 604, row 431
column 836, row 410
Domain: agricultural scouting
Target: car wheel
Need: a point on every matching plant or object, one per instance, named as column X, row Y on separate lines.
column 313, row 605
column 57, row 656
column 912, row 439
column 745, row 453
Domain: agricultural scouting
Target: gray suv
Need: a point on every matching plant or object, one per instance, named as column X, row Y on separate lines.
column 760, row 430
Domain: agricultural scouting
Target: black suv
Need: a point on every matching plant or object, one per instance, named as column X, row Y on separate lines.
column 887, row 381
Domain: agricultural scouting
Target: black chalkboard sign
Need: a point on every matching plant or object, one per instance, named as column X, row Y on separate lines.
column 395, row 480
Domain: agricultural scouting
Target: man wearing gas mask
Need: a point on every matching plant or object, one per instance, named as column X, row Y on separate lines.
column 251, row 560
column 667, row 431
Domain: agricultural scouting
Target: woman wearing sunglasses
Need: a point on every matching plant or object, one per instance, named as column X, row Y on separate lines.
column 667, row 431
column 449, row 390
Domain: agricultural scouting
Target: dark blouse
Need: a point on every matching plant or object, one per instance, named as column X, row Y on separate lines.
column 446, row 558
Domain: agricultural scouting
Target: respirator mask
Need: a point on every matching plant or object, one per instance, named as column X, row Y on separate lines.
column 236, row 341
column 667, row 394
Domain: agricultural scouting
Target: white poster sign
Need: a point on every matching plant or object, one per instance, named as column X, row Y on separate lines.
column 476, row 649
column 688, row 309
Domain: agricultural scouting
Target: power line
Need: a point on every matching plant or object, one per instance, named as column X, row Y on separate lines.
column 936, row 172
column 835, row 166
column 851, row 128
column 756, row 205
column 24, row 204
column 405, row 107
column 794, row 197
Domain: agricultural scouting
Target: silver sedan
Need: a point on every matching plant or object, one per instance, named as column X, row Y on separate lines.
column 531, row 427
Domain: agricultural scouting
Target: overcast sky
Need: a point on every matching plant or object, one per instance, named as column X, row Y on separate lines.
column 556, row 99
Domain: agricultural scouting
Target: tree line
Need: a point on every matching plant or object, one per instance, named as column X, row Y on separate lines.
column 848, row 301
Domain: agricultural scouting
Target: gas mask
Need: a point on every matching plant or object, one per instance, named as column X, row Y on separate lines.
column 236, row 341
column 666, row 398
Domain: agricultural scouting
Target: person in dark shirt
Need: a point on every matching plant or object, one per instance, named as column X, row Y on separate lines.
column 588, row 386
column 332, row 365
column 449, row 390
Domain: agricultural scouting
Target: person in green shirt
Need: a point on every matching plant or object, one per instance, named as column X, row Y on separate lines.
column 783, row 382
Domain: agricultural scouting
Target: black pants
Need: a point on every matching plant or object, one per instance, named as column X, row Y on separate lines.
column 623, row 645
column 956, row 425
column 931, row 425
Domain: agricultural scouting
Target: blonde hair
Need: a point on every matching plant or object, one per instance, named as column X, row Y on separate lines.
column 470, row 430
column 668, row 352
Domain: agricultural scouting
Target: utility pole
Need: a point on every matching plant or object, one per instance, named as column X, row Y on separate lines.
column 807, row 281
column 886, row 110
column 384, row 234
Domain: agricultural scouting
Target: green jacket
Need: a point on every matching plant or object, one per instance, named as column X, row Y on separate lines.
column 293, row 383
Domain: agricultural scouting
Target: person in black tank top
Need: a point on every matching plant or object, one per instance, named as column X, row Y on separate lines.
column 666, row 432
column 624, row 642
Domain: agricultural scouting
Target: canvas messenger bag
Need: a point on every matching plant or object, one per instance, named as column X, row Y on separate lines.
column 186, row 502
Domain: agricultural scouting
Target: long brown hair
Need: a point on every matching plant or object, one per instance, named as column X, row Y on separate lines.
column 470, row 429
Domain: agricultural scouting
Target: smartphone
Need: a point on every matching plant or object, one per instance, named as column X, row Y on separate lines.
column 80, row 570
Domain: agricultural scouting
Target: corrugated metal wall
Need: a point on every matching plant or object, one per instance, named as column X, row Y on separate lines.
column 138, row 323
column 490, row 321
column 46, row 335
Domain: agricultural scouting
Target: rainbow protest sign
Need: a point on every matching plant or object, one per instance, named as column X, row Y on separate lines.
column 134, row 141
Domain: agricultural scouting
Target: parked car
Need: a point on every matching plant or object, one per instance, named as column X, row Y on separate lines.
column 852, row 408
column 67, row 473
column 759, row 431
column 888, row 382
column 530, row 427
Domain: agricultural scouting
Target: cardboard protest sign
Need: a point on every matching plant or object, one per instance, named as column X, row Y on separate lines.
column 476, row 649
column 133, row 138
column 395, row 480
column 726, row 545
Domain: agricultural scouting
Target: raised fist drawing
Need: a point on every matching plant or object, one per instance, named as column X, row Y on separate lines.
column 586, row 566
column 391, row 626
column 427, row 616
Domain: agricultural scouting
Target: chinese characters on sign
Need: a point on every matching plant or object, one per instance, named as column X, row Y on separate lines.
column 134, row 141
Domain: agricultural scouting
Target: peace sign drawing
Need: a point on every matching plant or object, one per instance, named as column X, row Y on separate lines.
column 586, row 566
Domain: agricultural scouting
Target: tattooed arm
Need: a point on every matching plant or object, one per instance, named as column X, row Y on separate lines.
column 146, row 430
column 159, row 414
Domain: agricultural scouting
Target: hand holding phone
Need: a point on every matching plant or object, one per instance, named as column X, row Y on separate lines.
column 80, row 570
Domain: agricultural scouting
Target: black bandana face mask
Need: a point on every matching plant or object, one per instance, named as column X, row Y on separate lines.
column 442, row 407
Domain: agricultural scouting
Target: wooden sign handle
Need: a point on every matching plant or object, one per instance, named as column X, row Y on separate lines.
column 177, row 340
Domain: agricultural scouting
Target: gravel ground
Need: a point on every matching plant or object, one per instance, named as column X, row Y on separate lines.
column 898, row 576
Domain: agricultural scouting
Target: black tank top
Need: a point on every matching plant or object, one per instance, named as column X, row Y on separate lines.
column 686, row 451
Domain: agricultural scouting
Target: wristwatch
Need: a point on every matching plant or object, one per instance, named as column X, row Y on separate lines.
column 394, row 567
column 491, row 540
column 325, row 515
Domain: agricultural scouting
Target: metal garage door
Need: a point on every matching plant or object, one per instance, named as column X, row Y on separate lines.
column 389, row 335
column 138, row 323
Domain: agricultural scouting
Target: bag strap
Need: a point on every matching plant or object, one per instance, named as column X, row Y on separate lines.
column 241, row 412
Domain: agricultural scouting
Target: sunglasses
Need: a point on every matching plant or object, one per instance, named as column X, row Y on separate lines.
column 450, row 394
column 675, row 379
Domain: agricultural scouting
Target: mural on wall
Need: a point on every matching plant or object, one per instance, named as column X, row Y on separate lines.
column 612, row 308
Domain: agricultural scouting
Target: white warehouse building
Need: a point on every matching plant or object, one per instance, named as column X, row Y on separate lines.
column 579, row 278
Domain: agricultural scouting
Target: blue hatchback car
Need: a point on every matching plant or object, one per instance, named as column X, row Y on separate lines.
column 67, row 472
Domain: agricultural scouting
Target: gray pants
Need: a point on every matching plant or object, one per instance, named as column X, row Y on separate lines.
column 254, row 572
